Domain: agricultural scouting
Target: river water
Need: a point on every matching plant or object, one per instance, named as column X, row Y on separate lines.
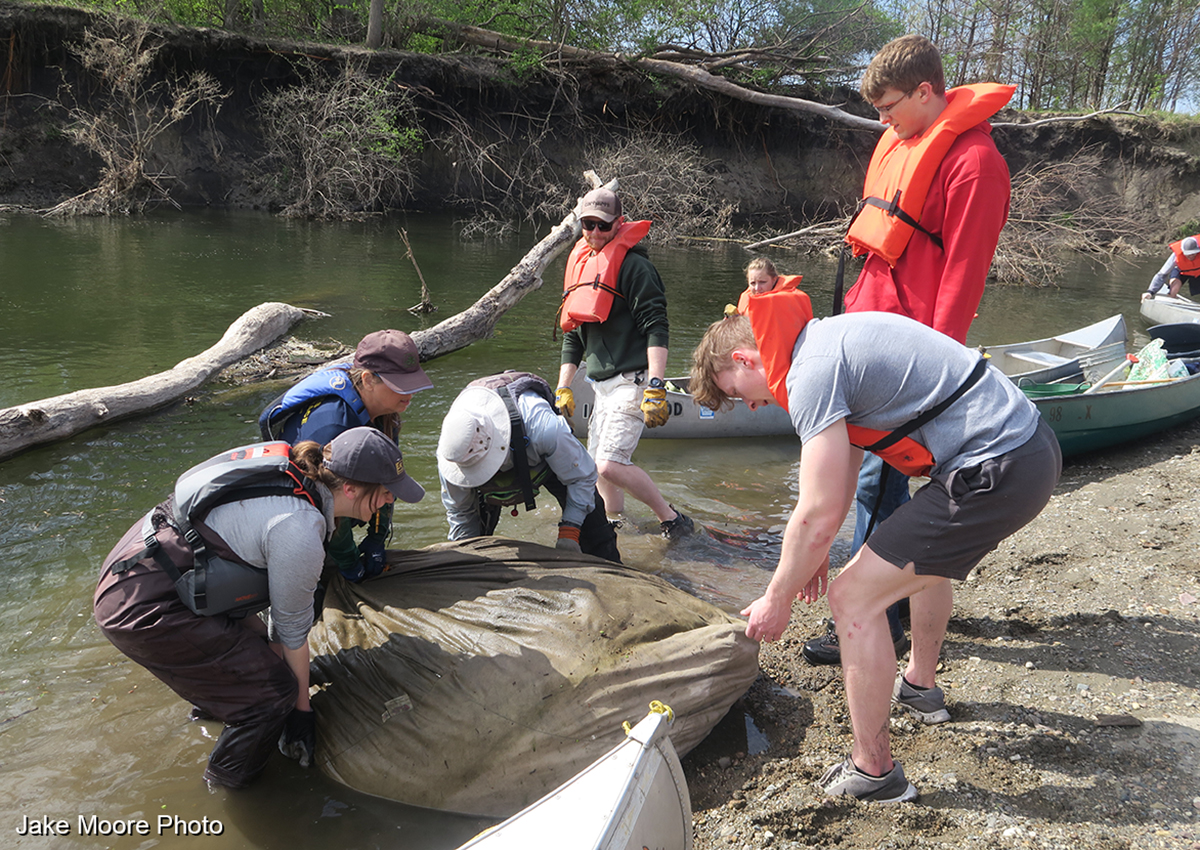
column 84, row 732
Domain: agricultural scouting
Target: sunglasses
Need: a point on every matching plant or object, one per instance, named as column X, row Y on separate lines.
column 593, row 224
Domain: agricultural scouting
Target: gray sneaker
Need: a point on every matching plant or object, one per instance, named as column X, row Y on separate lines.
column 928, row 705
column 846, row 779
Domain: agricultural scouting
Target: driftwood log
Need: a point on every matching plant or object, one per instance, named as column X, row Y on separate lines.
column 45, row 421
column 57, row 418
column 478, row 321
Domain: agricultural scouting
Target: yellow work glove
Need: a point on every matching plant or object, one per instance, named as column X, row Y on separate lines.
column 655, row 409
column 564, row 400
column 730, row 310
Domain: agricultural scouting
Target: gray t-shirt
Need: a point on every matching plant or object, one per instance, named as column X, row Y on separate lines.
column 286, row 536
column 881, row 370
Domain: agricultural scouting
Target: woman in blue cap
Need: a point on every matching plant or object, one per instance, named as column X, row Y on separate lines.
column 242, row 532
column 374, row 390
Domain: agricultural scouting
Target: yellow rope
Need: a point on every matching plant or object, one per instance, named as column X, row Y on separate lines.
column 657, row 708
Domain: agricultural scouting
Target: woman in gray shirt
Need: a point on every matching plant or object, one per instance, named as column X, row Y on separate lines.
column 181, row 612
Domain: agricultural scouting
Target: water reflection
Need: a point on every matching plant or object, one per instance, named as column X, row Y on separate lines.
column 97, row 302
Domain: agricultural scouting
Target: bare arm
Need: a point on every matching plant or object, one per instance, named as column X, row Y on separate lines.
column 297, row 660
column 827, row 475
column 656, row 357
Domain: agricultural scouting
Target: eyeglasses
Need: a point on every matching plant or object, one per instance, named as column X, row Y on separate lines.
column 887, row 108
column 593, row 224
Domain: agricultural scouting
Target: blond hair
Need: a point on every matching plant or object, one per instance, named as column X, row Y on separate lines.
column 903, row 64
column 714, row 355
column 761, row 264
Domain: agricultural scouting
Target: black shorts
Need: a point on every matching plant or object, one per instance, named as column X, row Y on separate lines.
column 954, row 520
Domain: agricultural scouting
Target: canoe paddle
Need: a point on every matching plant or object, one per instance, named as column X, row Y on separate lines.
column 1129, row 357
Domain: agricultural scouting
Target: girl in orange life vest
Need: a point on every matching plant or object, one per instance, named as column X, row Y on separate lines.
column 1183, row 264
column 761, row 277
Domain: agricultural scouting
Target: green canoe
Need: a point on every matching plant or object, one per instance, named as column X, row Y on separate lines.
column 1108, row 417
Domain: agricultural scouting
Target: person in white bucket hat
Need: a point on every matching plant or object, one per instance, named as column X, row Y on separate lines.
column 480, row 474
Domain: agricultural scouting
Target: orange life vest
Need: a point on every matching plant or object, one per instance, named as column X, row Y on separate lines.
column 901, row 171
column 783, row 281
column 1187, row 265
column 777, row 318
column 590, row 280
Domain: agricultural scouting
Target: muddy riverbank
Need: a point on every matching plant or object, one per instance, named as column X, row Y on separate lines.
column 493, row 140
column 1072, row 674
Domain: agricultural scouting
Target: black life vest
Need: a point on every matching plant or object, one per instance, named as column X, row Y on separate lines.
column 209, row 576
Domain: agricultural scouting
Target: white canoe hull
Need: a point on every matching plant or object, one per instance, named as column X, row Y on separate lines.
column 1088, row 354
column 633, row 797
column 1162, row 310
column 689, row 420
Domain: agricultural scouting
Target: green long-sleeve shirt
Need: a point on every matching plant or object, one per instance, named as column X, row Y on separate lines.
column 637, row 321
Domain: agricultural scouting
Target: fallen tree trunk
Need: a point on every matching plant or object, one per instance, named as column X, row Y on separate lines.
column 57, row 418
column 692, row 73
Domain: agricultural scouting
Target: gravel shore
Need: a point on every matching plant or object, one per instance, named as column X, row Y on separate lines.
column 1071, row 669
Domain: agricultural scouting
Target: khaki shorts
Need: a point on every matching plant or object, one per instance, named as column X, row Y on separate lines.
column 616, row 423
column 956, row 519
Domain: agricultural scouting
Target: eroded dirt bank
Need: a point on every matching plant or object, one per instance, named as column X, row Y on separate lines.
column 778, row 167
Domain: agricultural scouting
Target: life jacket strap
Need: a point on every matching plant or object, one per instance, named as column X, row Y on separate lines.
column 910, row 426
column 915, row 423
column 892, row 208
column 518, row 444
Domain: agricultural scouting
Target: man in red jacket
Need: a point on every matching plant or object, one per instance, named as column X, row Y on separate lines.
column 935, row 199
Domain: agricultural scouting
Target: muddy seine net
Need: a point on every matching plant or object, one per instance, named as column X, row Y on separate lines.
column 476, row 676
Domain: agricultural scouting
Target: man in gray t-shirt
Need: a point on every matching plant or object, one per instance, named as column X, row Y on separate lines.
column 852, row 382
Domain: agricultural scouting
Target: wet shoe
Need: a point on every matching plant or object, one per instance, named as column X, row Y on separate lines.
column 928, row 704
column 825, row 649
column 197, row 714
column 681, row 526
column 846, row 779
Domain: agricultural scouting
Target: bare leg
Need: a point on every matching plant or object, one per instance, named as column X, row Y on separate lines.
column 859, row 598
column 930, row 614
column 617, row 479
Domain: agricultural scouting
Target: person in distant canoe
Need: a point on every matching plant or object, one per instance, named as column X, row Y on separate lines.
column 929, row 406
column 761, row 277
column 1182, row 265
column 378, row 386
column 502, row 440
column 181, row 591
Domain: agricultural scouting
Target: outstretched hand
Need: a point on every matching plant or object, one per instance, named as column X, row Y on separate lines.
column 768, row 619
column 817, row 586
